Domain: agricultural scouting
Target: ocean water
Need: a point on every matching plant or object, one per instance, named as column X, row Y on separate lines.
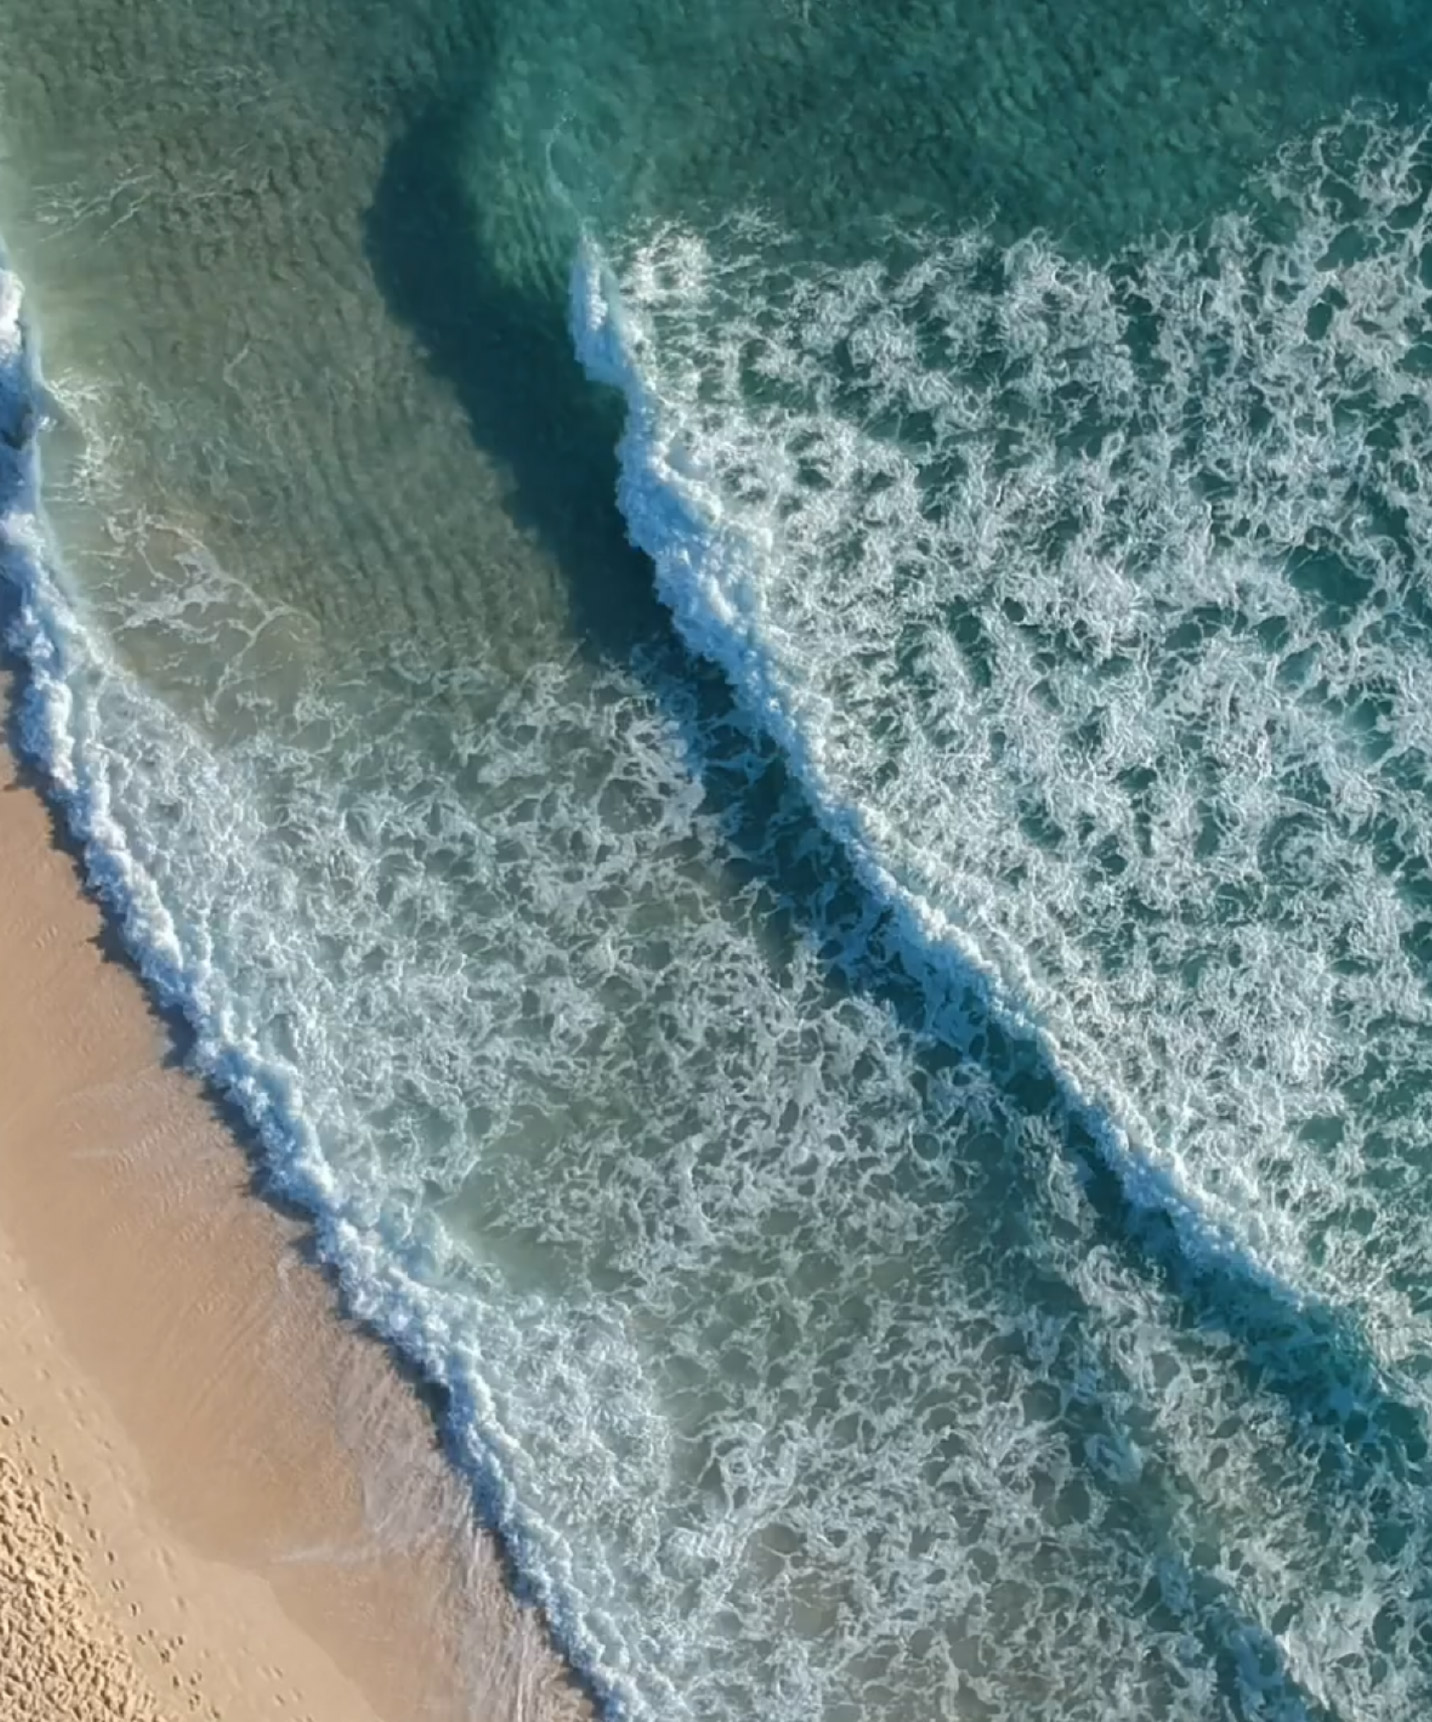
column 763, row 676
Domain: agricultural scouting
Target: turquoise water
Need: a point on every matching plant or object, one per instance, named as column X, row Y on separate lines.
column 761, row 674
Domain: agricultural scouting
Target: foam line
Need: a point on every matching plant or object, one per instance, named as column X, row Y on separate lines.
column 383, row 1275
column 708, row 573
column 1018, row 637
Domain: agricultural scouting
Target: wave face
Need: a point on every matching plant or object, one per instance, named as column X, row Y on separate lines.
column 1090, row 607
column 904, row 1148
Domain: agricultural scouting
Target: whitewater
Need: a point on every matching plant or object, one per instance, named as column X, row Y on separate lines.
column 1088, row 606
column 897, row 1118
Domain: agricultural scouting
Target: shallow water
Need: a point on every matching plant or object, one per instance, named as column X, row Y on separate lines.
column 878, row 1043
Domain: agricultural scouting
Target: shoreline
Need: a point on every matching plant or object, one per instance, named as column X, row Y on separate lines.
column 238, row 1503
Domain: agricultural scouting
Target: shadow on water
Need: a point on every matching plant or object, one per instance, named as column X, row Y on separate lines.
column 1343, row 1420
column 507, row 355
column 508, row 359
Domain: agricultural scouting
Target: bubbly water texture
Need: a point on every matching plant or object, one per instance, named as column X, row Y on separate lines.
column 1089, row 605
column 908, row 1155
column 1093, row 608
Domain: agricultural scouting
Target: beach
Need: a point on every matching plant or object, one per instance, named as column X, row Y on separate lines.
column 747, row 693
column 217, row 1499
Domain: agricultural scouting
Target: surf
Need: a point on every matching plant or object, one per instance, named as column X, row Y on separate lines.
column 842, row 1305
column 1059, row 589
column 1087, row 604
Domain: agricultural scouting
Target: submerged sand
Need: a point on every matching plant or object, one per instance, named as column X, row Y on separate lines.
column 217, row 1498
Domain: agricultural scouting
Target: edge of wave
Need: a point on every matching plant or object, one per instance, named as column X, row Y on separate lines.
column 378, row 1279
column 672, row 516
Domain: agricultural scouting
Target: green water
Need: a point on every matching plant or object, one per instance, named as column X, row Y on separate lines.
column 814, row 1331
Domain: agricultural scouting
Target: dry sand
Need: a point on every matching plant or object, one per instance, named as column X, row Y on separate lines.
column 216, row 1498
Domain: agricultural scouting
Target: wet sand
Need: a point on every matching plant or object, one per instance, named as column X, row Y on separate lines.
column 217, row 1498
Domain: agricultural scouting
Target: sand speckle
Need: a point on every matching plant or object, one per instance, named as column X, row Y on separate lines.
column 60, row 1658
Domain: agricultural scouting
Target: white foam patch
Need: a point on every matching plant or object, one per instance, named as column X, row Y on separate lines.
column 1090, row 604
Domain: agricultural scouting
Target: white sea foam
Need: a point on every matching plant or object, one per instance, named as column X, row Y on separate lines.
column 784, row 1344
column 1090, row 605
column 520, row 969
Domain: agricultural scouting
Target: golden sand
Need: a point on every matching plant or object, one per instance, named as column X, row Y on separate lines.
column 217, row 1498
